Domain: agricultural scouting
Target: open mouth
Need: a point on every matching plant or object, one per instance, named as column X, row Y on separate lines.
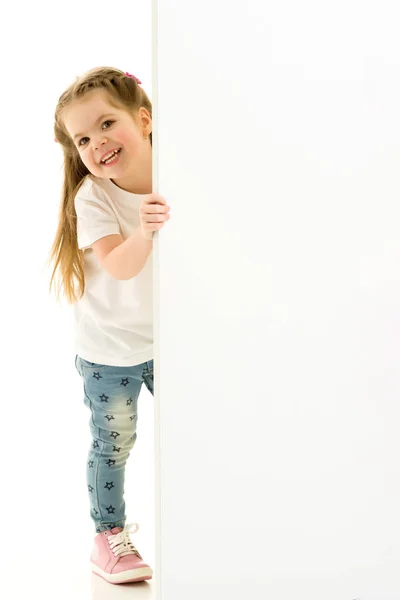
column 111, row 158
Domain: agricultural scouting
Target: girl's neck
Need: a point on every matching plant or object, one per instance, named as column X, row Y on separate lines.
column 134, row 188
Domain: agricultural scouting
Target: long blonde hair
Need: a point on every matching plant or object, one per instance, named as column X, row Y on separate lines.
column 124, row 92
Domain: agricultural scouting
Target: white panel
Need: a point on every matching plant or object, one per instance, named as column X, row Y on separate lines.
column 277, row 326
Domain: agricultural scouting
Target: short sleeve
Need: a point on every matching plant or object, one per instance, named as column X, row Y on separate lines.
column 95, row 219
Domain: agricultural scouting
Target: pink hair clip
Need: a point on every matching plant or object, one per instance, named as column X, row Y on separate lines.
column 133, row 77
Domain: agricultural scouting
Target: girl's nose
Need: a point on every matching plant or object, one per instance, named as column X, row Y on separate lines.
column 101, row 142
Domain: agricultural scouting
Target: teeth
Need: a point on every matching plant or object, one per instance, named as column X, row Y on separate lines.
column 111, row 155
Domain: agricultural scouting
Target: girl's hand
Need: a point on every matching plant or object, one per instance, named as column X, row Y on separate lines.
column 153, row 214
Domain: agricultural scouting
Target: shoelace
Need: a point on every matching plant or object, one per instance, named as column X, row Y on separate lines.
column 120, row 542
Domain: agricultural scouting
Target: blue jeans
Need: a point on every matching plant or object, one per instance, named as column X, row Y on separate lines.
column 111, row 394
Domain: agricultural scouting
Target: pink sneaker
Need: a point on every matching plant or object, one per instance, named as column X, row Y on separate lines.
column 115, row 558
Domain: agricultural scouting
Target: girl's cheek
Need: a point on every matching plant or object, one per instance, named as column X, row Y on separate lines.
column 124, row 137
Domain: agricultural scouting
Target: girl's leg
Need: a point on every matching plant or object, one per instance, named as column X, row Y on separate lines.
column 148, row 376
column 111, row 394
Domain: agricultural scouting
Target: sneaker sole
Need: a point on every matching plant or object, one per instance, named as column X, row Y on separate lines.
column 124, row 577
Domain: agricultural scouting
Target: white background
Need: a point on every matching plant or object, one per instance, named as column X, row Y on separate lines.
column 277, row 299
column 44, row 504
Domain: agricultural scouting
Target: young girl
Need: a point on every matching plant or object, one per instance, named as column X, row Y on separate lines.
column 102, row 251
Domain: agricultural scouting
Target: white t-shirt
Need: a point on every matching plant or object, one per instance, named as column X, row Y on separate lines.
column 114, row 319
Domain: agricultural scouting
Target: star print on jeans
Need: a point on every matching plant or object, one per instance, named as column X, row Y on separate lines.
column 95, row 444
column 114, row 434
column 115, row 449
column 104, row 398
column 110, row 509
column 129, row 401
column 90, row 488
column 124, row 381
column 132, row 417
column 110, row 462
column 109, row 418
column 109, row 485
column 90, row 464
column 97, row 376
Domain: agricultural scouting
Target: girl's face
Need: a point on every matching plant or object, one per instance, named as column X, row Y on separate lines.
column 97, row 128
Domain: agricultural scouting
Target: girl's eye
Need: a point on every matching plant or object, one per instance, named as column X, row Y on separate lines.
column 85, row 138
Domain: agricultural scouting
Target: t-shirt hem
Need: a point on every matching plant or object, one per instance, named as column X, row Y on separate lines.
column 112, row 361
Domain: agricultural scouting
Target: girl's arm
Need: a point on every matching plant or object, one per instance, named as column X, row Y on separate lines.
column 123, row 259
